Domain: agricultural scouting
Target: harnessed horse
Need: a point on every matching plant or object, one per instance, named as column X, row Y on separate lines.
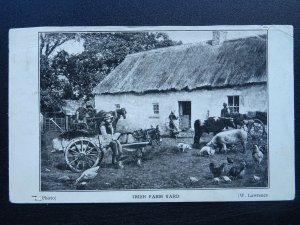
column 117, row 115
column 141, row 139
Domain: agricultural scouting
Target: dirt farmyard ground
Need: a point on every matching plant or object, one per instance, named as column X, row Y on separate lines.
column 163, row 167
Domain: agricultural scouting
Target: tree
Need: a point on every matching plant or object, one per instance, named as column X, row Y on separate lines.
column 50, row 41
column 50, row 85
column 104, row 51
column 65, row 76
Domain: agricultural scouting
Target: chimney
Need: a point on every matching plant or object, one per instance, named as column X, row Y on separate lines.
column 218, row 37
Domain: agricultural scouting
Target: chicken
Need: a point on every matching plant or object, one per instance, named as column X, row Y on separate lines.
column 206, row 150
column 216, row 180
column 237, row 171
column 257, row 155
column 64, row 178
column 255, row 178
column 229, row 160
column 81, row 186
column 226, row 179
column 183, row 147
column 88, row 174
column 217, row 171
column 263, row 148
column 193, row 180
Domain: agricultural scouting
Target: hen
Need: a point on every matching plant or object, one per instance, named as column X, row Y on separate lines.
column 229, row 160
column 217, row 171
column 237, row 171
column 257, row 155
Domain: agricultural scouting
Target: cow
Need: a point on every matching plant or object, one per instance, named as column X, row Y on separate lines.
column 238, row 119
column 228, row 137
column 216, row 124
column 211, row 124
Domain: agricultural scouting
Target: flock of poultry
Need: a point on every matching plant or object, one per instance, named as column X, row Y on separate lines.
column 235, row 172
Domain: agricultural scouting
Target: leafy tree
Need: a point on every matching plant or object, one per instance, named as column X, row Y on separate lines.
column 50, row 85
column 65, row 76
column 50, row 41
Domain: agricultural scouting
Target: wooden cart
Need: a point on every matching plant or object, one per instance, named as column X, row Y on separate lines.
column 82, row 153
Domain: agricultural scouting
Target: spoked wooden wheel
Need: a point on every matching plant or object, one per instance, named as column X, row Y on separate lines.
column 82, row 154
column 256, row 128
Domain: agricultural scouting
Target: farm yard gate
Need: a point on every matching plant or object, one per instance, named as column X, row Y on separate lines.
column 53, row 124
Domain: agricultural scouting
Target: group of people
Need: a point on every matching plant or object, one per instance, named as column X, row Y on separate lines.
column 172, row 117
column 103, row 123
column 87, row 117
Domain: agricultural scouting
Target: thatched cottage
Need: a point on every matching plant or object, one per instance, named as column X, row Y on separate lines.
column 192, row 79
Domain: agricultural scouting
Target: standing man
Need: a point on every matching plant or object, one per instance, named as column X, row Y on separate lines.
column 81, row 118
column 225, row 111
column 172, row 126
column 90, row 117
column 91, row 112
column 198, row 132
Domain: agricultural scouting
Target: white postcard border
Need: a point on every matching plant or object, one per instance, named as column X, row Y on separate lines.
column 24, row 162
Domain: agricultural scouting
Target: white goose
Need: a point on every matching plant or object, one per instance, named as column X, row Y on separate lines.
column 88, row 174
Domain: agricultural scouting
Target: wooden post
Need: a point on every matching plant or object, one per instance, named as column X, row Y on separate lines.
column 67, row 122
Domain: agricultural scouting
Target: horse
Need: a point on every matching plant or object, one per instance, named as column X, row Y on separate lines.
column 117, row 115
column 151, row 135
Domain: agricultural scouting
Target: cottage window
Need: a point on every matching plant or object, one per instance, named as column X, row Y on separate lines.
column 117, row 106
column 155, row 108
column 234, row 103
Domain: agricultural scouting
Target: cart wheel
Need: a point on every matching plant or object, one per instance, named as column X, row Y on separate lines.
column 82, row 154
column 257, row 128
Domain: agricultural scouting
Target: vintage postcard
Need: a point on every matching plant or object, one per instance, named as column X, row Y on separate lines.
column 151, row 114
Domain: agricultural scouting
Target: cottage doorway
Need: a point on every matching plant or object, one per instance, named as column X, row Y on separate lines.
column 185, row 114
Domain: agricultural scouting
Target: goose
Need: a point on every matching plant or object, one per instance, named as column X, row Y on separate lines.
column 88, row 174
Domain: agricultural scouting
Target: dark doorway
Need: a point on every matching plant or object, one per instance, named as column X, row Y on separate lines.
column 185, row 114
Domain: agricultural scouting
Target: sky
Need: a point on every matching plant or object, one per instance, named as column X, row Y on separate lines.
column 74, row 47
column 201, row 36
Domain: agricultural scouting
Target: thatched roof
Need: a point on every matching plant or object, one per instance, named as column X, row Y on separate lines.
column 191, row 66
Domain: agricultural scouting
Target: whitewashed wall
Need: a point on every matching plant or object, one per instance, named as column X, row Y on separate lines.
column 140, row 107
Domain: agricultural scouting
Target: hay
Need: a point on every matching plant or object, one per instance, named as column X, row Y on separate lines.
column 68, row 135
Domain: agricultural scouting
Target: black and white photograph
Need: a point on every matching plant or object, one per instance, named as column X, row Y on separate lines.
column 149, row 112
column 153, row 110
